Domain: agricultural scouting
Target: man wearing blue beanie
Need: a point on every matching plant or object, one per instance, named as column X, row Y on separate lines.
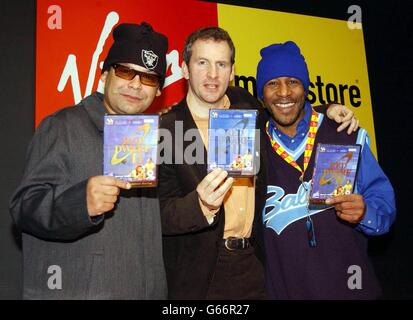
column 312, row 254
column 280, row 60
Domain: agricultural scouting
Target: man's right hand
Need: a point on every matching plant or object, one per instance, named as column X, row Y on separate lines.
column 102, row 192
column 213, row 188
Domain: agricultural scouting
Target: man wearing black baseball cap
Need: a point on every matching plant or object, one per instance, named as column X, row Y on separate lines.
column 87, row 236
column 137, row 50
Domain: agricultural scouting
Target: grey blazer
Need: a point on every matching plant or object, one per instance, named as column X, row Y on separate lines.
column 115, row 256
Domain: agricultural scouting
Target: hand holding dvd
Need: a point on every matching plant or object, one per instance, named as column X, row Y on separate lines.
column 349, row 207
column 102, row 193
column 130, row 144
column 213, row 188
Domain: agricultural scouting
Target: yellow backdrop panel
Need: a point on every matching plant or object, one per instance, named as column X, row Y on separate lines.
column 334, row 53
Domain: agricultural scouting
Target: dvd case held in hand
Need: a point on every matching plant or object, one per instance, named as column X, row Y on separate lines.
column 130, row 148
column 334, row 173
column 232, row 141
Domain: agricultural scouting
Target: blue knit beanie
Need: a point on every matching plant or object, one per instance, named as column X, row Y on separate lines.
column 281, row 60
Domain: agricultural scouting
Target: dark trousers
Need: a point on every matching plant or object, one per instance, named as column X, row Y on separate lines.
column 239, row 275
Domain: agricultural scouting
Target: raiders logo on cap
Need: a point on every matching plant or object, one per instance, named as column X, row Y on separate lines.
column 149, row 59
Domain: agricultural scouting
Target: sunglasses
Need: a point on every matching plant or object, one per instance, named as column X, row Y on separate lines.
column 127, row 73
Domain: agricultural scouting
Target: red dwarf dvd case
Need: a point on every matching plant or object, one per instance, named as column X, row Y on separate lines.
column 130, row 148
column 334, row 173
column 233, row 141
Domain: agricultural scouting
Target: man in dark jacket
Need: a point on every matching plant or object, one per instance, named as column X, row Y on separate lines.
column 88, row 236
column 212, row 229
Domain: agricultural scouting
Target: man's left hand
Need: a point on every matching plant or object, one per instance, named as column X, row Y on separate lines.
column 350, row 208
column 341, row 114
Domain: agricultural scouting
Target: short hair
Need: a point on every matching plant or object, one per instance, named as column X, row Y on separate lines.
column 208, row 33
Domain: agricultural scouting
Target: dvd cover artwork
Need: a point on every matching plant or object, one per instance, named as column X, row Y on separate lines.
column 130, row 148
column 334, row 173
column 232, row 141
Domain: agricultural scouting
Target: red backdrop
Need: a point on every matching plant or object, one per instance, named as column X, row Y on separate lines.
column 74, row 36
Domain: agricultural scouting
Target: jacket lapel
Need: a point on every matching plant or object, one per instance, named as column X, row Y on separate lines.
column 183, row 114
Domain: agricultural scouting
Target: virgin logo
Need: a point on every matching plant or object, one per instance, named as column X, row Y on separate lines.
column 70, row 70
